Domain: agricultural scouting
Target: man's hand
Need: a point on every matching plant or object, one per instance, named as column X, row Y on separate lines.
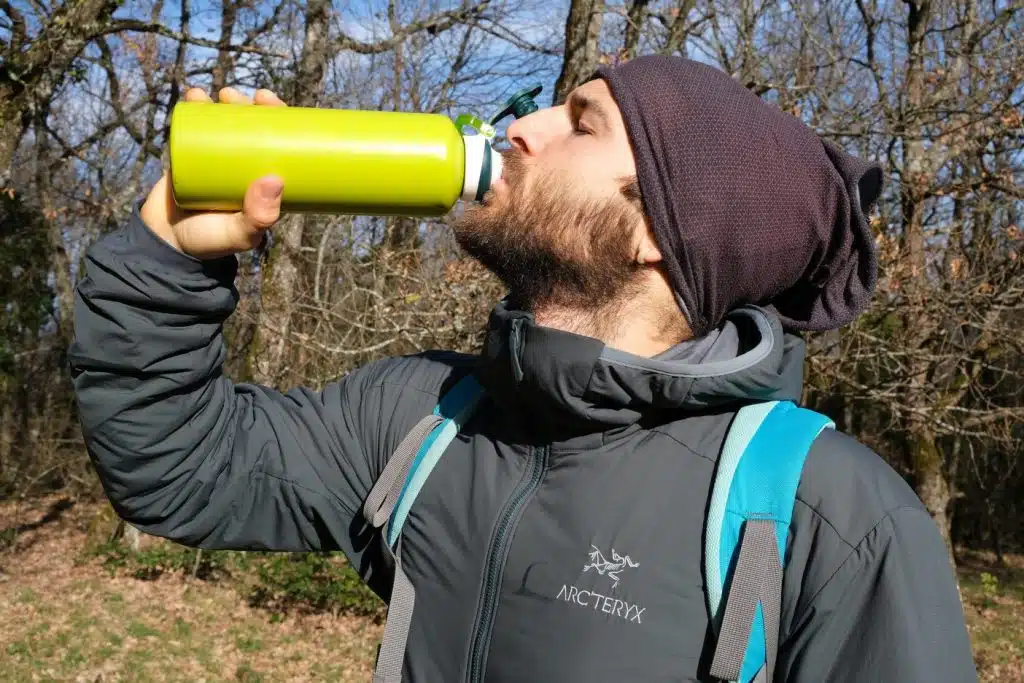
column 208, row 235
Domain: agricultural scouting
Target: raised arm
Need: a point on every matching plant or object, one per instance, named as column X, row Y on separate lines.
column 181, row 450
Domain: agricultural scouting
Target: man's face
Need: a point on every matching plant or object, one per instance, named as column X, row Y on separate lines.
column 560, row 228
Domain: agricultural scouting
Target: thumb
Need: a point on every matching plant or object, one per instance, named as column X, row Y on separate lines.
column 262, row 204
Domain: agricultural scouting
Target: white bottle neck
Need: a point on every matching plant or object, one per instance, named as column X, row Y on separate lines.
column 483, row 166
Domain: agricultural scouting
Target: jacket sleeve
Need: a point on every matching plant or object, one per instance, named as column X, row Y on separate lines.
column 182, row 451
column 880, row 604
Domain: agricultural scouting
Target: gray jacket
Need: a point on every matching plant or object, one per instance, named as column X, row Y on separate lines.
column 578, row 448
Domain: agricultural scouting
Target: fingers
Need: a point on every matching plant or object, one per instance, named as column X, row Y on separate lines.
column 232, row 96
column 268, row 99
column 262, row 205
column 196, row 95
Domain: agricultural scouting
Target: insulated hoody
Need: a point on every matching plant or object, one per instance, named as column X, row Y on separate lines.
column 580, row 456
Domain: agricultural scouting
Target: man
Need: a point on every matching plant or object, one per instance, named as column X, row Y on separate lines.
column 657, row 234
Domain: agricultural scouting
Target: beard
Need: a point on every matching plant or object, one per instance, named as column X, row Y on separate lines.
column 552, row 246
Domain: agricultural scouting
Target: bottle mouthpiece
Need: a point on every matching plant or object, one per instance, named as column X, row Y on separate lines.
column 483, row 166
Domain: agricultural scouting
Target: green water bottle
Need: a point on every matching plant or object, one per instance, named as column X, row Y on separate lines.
column 335, row 160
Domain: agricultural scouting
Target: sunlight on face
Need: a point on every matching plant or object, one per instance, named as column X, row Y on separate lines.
column 558, row 228
column 582, row 143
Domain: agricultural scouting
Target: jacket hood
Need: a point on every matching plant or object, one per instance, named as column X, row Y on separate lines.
column 575, row 384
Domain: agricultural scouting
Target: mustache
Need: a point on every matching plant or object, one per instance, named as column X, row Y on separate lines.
column 512, row 166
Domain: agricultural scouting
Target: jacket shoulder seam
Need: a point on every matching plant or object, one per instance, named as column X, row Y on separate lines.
column 827, row 522
column 385, row 378
column 322, row 494
column 404, row 387
column 686, row 446
column 888, row 516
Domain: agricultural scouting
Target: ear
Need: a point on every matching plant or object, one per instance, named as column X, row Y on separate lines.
column 646, row 251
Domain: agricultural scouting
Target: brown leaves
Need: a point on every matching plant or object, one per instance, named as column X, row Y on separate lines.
column 1012, row 119
column 956, row 268
column 620, row 56
column 461, row 271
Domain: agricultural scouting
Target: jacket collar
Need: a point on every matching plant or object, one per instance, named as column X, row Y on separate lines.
column 572, row 384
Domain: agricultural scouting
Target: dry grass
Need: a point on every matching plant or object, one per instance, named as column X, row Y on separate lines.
column 72, row 621
column 68, row 619
column 994, row 603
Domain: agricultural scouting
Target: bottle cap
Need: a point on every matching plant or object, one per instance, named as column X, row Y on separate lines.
column 483, row 162
column 521, row 103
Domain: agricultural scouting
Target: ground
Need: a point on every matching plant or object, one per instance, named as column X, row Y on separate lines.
column 69, row 617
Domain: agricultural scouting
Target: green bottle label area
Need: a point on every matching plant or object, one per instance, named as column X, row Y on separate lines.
column 332, row 161
column 335, row 160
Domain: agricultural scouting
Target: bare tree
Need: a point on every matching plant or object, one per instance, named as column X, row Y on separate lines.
column 931, row 376
column 582, row 48
column 36, row 63
column 280, row 279
column 636, row 17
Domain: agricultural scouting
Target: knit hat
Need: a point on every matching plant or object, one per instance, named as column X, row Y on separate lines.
column 748, row 205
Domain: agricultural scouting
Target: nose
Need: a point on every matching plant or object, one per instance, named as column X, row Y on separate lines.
column 531, row 133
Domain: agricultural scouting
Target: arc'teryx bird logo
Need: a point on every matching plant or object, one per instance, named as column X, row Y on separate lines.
column 610, row 569
column 607, row 604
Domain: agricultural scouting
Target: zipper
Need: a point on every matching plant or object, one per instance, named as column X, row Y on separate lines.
column 496, row 556
column 515, row 349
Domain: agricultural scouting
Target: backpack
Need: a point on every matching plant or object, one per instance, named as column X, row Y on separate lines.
column 750, row 510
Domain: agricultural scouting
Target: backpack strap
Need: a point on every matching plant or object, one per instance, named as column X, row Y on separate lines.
column 746, row 531
column 391, row 498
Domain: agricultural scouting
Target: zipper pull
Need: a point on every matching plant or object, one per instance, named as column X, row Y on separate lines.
column 515, row 349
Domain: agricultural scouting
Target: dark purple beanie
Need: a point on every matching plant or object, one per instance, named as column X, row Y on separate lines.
column 748, row 205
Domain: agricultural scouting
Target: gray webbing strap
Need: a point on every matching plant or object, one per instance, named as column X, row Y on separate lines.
column 396, row 629
column 384, row 495
column 757, row 578
column 377, row 510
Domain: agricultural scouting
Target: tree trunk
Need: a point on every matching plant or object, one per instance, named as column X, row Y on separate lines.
column 225, row 58
column 178, row 74
column 675, row 41
column 60, row 264
column 582, row 30
column 401, row 232
column 280, row 282
column 995, row 534
column 7, row 433
column 635, row 19
column 930, row 480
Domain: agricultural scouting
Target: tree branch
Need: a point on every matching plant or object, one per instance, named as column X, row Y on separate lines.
column 17, row 24
column 432, row 25
column 502, row 33
column 134, row 25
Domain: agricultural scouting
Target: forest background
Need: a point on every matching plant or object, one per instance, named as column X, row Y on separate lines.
column 931, row 377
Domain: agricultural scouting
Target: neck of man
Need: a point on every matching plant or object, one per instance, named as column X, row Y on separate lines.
column 636, row 324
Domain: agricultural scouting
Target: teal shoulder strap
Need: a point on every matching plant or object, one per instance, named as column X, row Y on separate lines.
column 392, row 496
column 748, row 522
column 453, row 410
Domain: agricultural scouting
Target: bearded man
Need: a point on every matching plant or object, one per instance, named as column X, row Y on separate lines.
column 664, row 236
